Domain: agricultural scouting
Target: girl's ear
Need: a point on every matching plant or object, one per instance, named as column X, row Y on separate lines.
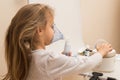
column 39, row 31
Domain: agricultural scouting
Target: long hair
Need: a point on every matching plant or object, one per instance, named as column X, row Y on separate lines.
column 21, row 38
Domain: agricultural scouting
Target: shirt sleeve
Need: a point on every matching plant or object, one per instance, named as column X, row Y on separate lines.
column 59, row 65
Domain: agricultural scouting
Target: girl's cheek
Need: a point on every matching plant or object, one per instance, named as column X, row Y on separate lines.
column 52, row 34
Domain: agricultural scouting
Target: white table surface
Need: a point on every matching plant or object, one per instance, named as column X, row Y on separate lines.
column 113, row 74
column 116, row 72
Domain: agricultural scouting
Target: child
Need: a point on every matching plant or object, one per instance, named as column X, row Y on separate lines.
column 30, row 31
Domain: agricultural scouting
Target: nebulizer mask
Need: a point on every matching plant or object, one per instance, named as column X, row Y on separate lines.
column 58, row 35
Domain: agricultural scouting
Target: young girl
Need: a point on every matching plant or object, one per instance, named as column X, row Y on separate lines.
column 30, row 31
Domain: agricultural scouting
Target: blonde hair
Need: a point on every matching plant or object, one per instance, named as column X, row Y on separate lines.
column 21, row 38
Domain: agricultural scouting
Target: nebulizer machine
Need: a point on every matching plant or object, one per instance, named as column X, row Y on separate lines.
column 106, row 66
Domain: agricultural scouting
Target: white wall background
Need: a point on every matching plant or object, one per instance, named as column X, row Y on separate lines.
column 8, row 9
column 101, row 19
column 68, row 20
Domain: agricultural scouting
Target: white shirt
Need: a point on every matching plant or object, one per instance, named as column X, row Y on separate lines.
column 52, row 66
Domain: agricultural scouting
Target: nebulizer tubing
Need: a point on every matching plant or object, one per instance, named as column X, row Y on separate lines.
column 96, row 76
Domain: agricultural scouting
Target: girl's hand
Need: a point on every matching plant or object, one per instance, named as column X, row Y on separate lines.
column 68, row 54
column 104, row 48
